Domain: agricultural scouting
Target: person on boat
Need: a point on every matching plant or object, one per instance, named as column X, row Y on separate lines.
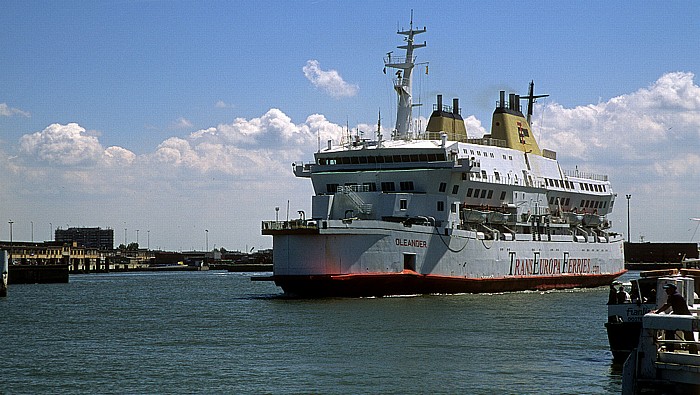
column 612, row 295
column 678, row 306
column 622, row 295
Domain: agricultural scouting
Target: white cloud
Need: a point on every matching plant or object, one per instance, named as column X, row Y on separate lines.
column 329, row 81
column 234, row 174
column 181, row 123
column 63, row 145
column 7, row 111
column 223, row 104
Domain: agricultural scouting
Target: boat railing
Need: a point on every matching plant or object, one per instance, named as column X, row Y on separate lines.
column 489, row 142
column 295, row 224
column 586, row 175
column 398, row 60
column 672, row 360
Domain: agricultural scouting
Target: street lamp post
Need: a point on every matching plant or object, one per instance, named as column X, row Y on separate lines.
column 51, row 231
column 206, row 239
column 628, row 216
column 32, row 222
column 10, row 222
column 137, row 236
column 148, row 240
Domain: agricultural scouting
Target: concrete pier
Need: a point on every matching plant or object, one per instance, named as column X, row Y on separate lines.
column 3, row 273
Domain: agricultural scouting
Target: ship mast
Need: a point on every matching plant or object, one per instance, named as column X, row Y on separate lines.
column 404, row 79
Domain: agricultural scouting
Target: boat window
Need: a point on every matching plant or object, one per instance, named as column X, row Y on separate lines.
column 441, row 157
column 321, row 161
column 388, row 187
column 440, row 205
column 372, row 159
column 423, row 157
column 478, row 153
column 566, row 202
column 496, row 176
column 490, row 195
column 406, row 185
column 354, row 160
column 380, row 159
column 510, row 157
column 369, row 187
column 581, row 205
column 388, row 159
column 363, row 159
column 491, row 153
column 432, row 157
column 455, row 189
column 483, row 174
column 403, row 204
column 546, row 181
column 472, row 151
column 464, row 176
column 443, row 186
column 476, row 192
column 469, row 192
column 414, row 158
column 503, row 195
column 551, row 200
column 483, row 193
column 331, row 188
column 405, row 158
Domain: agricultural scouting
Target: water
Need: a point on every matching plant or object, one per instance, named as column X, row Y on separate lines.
column 218, row 332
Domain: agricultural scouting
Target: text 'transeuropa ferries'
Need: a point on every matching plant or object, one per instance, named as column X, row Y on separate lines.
column 434, row 211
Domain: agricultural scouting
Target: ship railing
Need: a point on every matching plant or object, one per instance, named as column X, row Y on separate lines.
column 399, row 82
column 289, row 225
column 489, row 142
column 390, row 60
column 586, row 175
column 506, row 180
column 657, row 358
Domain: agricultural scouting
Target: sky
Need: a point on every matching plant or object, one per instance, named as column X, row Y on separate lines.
column 176, row 122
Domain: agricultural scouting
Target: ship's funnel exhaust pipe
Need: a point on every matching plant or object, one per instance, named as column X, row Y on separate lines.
column 516, row 103
column 511, row 101
column 502, row 102
column 455, row 106
column 439, row 102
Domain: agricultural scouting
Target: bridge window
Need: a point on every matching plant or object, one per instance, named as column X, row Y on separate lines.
column 406, row 185
column 331, row 188
column 455, row 189
column 476, row 193
column 490, row 195
column 483, row 193
column 440, row 205
column 403, row 204
column 443, row 186
column 388, row 187
column 469, row 192
column 369, row 187
column 503, row 195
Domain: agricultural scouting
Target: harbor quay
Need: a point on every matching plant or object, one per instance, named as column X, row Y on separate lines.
column 54, row 261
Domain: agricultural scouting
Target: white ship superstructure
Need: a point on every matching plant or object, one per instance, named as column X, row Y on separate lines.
column 437, row 212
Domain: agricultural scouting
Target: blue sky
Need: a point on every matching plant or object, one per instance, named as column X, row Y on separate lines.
column 181, row 116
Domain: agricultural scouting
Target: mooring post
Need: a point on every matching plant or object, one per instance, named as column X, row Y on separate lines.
column 4, row 269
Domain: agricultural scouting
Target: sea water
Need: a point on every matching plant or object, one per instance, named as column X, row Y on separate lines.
column 219, row 332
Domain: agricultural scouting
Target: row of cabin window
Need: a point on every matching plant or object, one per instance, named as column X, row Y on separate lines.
column 485, row 154
column 477, row 193
column 584, row 203
column 570, row 185
column 388, row 186
column 356, row 160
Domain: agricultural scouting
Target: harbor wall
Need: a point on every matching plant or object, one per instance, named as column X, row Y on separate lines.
column 659, row 252
column 38, row 274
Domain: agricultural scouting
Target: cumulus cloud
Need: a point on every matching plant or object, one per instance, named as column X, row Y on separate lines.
column 328, row 81
column 62, row 144
column 7, row 111
column 181, row 123
column 71, row 145
column 650, row 124
column 256, row 145
column 222, row 104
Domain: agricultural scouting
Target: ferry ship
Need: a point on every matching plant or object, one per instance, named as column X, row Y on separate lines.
column 434, row 211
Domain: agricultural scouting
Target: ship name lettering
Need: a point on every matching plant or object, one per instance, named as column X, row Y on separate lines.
column 412, row 243
column 551, row 266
